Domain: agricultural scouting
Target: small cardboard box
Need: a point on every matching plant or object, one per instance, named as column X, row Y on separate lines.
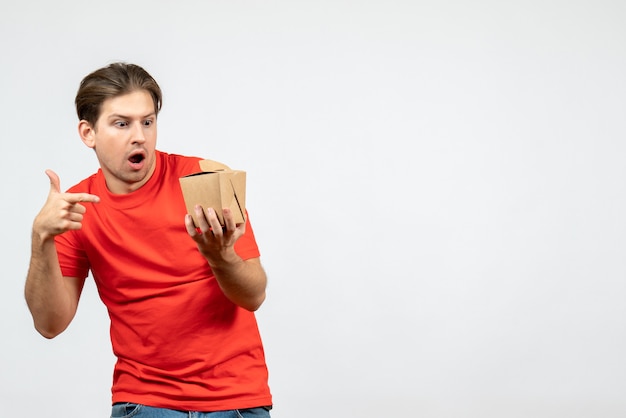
column 217, row 187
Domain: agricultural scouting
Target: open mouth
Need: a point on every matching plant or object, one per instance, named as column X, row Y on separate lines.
column 137, row 158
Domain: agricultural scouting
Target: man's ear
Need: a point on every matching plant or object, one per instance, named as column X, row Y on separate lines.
column 87, row 133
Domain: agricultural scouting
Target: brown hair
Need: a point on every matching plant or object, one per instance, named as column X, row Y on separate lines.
column 114, row 80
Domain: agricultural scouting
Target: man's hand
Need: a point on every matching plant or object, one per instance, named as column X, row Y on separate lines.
column 214, row 241
column 62, row 211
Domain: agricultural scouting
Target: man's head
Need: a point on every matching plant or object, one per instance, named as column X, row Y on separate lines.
column 117, row 107
column 114, row 80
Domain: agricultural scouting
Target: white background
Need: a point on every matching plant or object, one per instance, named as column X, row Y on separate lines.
column 436, row 188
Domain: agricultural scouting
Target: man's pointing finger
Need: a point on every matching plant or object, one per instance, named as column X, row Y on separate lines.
column 55, row 187
column 81, row 197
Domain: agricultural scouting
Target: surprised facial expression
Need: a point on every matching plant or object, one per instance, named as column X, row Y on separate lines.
column 124, row 139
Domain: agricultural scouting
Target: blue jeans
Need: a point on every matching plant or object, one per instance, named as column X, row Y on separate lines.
column 131, row 410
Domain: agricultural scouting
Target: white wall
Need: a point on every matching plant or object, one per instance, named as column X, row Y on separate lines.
column 436, row 187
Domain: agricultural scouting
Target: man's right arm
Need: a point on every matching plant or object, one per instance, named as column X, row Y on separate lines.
column 52, row 298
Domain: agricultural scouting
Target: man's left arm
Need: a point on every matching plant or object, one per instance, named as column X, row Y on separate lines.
column 242, row 281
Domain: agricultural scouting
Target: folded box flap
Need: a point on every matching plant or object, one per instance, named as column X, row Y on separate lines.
column 233, row 192
column 210, row 165
column 238, row 183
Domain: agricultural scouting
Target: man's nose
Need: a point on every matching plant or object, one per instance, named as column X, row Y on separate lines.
column 138, row 135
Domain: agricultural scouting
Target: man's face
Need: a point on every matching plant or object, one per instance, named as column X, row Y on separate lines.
column 124, row 140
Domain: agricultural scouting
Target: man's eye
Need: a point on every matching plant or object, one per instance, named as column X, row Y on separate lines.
column 147, row 122
column 121, row 124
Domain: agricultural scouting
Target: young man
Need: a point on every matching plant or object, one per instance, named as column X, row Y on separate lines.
column 181, row 298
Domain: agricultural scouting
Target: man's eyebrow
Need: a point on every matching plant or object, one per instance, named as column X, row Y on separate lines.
column 120, row 116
